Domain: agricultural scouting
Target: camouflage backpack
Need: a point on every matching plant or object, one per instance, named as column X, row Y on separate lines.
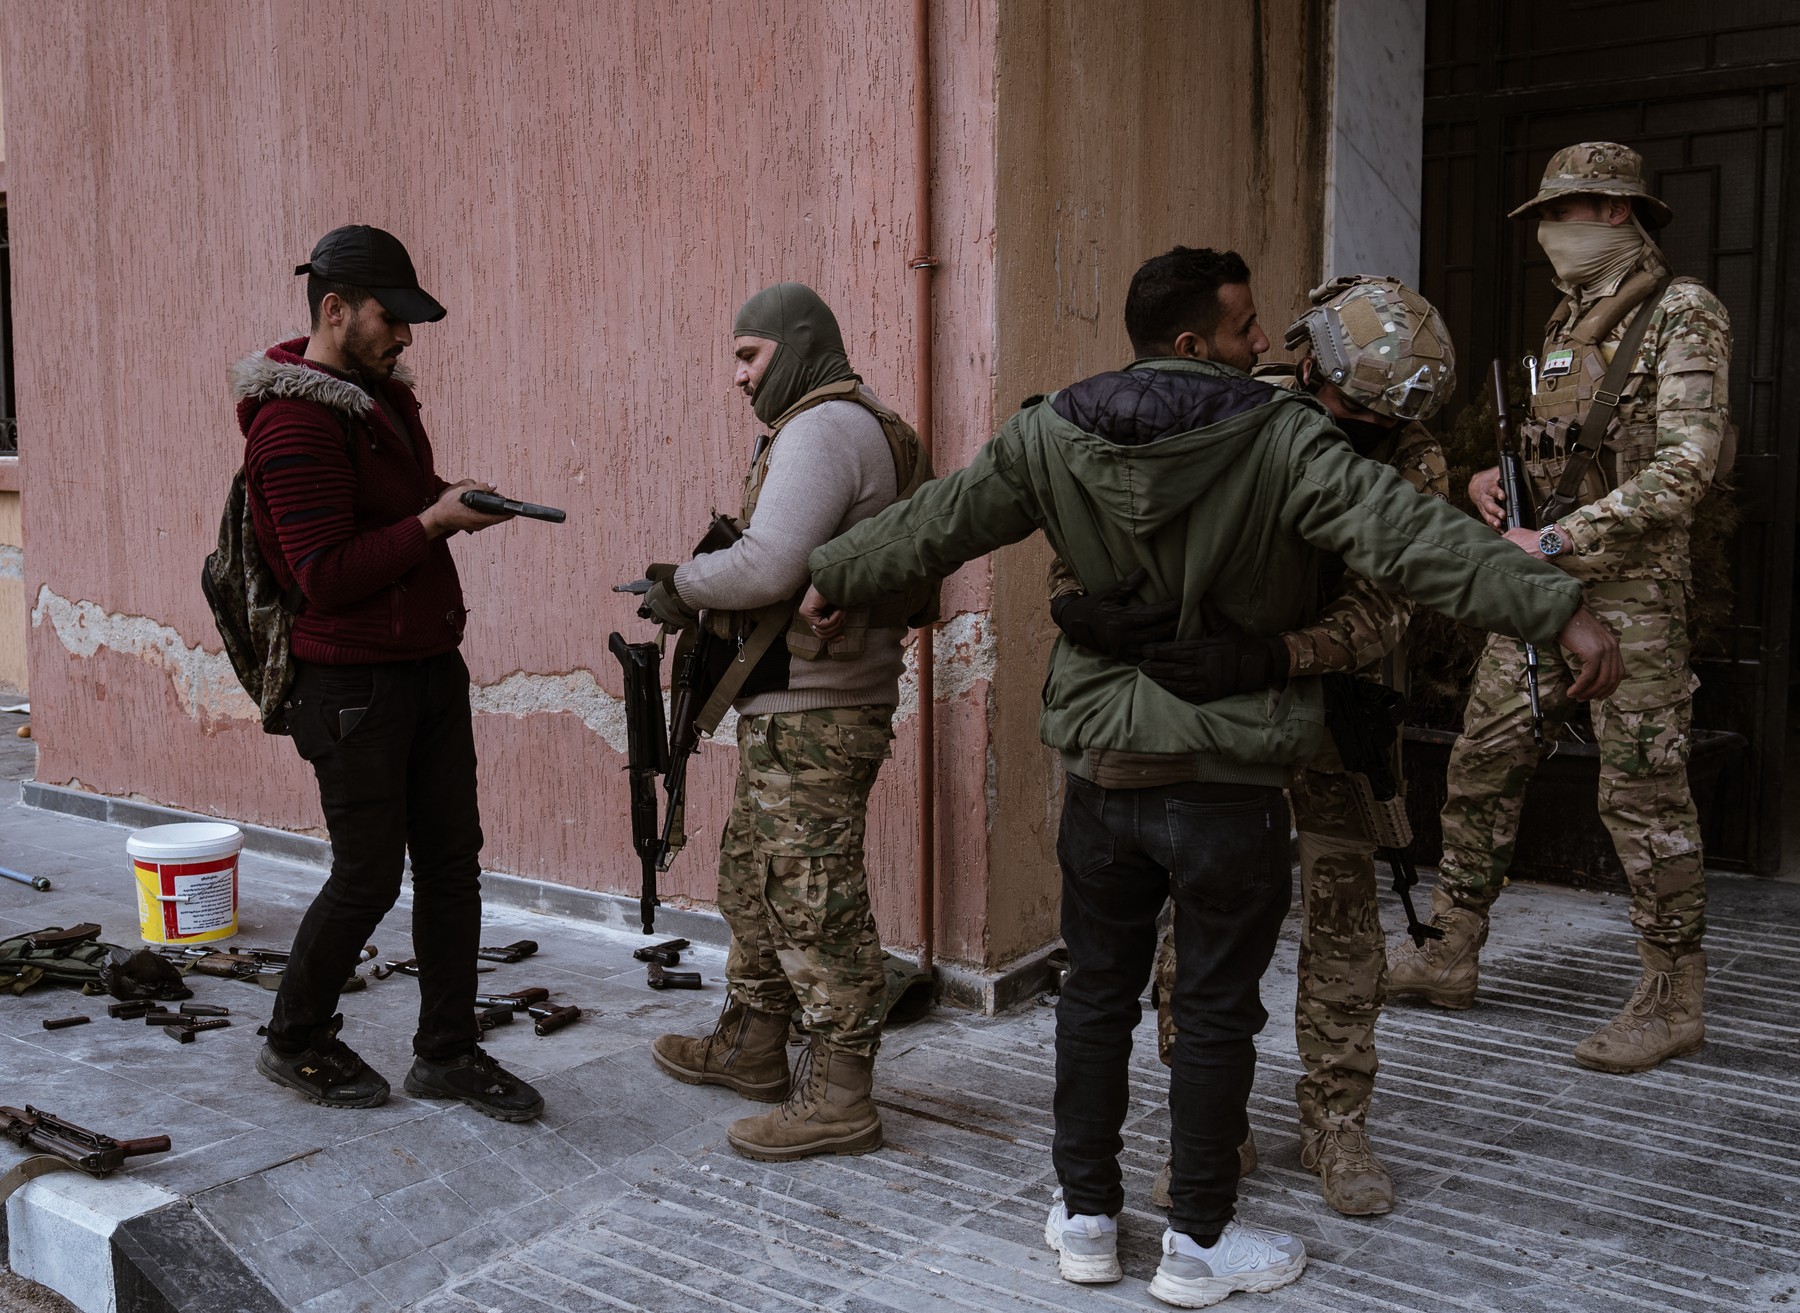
column 254, row 614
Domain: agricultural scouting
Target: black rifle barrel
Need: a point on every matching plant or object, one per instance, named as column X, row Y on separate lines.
column 1518, row 516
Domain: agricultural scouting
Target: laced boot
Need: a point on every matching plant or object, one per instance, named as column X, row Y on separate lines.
column 1440, row 971
column 1159, row 1188
column 1351, row 1177
column 746, row 1052
column 1662, row 1020
column 828, row 1110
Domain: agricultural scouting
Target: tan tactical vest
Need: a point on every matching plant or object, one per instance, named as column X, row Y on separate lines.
column 912, row 470
column 1575, row 360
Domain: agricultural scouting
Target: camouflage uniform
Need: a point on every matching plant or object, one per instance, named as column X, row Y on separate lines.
column 1630, row 549
column 791, row 879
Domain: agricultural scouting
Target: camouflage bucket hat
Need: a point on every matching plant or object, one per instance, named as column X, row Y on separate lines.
column 1384, row 346
column 1598, row 168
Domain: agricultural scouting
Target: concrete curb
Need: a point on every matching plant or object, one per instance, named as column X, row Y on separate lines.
column 125, row 1246
column 987, row 992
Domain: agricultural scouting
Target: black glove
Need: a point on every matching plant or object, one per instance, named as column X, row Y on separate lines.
column 662, row 602
column 1229, row 660
column 1105, row 622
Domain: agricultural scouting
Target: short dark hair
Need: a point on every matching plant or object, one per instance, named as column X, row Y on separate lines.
column 318, row 288
column 1177, row 293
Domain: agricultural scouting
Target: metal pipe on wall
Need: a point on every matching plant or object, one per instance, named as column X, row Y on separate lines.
column 921, row 265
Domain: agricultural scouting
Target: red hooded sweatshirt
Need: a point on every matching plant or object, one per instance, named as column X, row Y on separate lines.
column 335, row 495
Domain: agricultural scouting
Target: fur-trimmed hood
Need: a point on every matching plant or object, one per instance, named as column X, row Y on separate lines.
column 282, row 373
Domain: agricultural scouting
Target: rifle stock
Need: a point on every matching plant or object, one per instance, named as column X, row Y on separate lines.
column 1519, row 515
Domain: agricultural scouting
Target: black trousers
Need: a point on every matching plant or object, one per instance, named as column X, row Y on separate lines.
column 394, row 752
column 1221, row 851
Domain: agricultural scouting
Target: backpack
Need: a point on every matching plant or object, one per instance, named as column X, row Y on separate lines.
column 253, row 613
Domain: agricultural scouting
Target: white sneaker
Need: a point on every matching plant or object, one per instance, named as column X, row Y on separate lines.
column 1087, row 1246
column 1243, row 1258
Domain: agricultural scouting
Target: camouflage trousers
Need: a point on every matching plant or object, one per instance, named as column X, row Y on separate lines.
column 1343, row 954
column 1643, row 733
column 791, row 881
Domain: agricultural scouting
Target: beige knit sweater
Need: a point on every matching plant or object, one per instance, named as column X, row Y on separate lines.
column 831, row 468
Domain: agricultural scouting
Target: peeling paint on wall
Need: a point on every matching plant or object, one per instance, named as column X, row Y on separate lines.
column 963, row 654
column 12, row 562
column 578, row 693
column 209, row 691
column 204, row 681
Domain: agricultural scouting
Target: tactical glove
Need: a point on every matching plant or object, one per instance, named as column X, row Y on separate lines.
column 1107, row 623
column 1229, row 660
column 662, row 602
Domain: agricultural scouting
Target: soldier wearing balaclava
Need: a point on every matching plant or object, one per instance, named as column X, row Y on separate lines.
column 814, row 726
column 1629, row 425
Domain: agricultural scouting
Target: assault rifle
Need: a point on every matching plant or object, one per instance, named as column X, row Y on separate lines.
column 90, row 1151
column 1361, row 715
column 1519, row 515
column 655, row 747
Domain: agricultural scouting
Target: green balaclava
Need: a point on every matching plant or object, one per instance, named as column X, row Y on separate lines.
column 809, row 351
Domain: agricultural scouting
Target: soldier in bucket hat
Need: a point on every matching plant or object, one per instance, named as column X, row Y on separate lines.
column 1628, row 422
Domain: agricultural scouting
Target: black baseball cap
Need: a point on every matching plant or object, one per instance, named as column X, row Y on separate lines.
column 360, row 256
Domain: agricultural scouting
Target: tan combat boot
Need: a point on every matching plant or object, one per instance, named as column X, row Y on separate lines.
column 828, row 1111
column 1441, row 971
column 1350, row 1175
column 1662, row 1020
column 1159, row 1188
column 746, row 1052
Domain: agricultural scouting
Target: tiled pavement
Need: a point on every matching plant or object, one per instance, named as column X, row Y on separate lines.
column 1526, row 1183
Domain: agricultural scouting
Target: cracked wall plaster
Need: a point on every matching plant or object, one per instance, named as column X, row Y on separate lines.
column 204, row 681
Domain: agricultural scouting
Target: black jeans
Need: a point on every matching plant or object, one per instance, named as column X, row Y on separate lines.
column 1221, row 851
column 399, row 773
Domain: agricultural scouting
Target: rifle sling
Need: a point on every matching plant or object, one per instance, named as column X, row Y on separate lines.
column 771, row 624
column 1599, row 416
column 28, row 1170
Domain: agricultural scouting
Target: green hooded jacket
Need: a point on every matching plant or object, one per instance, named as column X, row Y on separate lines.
column 1241, row 512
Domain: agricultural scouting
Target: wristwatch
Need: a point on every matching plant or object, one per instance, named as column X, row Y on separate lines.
column 1550, row 541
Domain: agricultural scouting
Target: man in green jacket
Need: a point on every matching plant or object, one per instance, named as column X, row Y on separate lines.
column 1226, row 493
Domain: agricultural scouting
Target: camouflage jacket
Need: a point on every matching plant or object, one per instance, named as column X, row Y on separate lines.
column 1666, row 438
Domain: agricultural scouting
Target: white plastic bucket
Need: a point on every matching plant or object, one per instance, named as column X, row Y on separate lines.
column 186, row 881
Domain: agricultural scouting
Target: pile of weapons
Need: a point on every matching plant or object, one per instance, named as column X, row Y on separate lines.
column 180, row 1026
column 498, row 1009
column 663, row 956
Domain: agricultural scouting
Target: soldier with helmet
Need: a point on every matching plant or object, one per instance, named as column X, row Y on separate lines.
column 1378, row 357
column 1629, row 422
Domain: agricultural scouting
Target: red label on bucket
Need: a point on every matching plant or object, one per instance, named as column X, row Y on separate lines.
column 197, row 897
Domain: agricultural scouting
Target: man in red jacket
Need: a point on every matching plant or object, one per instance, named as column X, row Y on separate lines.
column 347, row 505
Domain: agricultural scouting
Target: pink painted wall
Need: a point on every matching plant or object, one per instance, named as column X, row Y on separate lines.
column 591, row 190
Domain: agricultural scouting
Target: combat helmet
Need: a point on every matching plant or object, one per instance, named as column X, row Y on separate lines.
column 1599, row 168
column 1382, row 344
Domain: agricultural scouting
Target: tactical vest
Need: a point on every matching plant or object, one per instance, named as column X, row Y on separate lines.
column 912, row 470
column 1574, row 363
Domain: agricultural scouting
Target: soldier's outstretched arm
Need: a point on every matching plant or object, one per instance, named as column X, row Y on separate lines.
column 1362, row 624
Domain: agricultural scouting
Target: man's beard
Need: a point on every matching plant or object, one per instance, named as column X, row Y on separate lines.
column 359, row 350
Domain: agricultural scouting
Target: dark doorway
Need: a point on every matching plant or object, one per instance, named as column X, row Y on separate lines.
column 1709, row 94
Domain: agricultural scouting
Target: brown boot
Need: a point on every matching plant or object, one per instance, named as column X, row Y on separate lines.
column 1159, row 1188
column 1350, row 1175
column 1441, row 971
column 746, row 1052
column 829, row 1111
column 1662, row 1020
